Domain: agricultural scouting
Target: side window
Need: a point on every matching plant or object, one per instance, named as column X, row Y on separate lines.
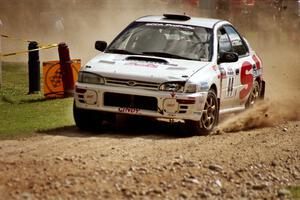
column 224, row 42
column 237, row 43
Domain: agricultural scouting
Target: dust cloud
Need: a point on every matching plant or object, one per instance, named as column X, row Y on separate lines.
column 272, row 27
column 264, row 114
column 80, row 23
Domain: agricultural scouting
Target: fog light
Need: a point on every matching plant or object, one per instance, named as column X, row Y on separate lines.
column 170, row 106
column 90, row 97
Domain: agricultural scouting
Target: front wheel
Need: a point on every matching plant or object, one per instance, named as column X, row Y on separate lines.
column 209, row 117
column 87, row 120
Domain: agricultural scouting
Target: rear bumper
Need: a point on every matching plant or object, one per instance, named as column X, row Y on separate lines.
column 151, row 103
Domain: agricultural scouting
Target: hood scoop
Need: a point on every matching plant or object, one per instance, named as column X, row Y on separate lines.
column 147, row 59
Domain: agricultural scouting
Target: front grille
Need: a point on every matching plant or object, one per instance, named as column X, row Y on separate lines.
column 132, row 83
column 130, row 101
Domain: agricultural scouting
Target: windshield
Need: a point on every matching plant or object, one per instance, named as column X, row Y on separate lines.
column 164, row 40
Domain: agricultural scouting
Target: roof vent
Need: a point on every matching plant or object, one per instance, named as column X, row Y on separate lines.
column 177, row 17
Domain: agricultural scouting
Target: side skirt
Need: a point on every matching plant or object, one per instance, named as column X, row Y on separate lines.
column 231, row 110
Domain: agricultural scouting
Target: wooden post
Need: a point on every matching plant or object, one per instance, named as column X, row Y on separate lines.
column 34, row 68
column 66, row 69
column 0, row 56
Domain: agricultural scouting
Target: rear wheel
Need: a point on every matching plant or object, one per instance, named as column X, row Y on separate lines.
column 254, row 95
column 87, row 119
column 209, row 117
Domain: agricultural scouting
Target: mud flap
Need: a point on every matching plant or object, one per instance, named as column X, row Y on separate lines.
column 262, row 89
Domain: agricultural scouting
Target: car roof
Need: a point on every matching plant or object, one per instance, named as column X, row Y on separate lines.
column 193, row 21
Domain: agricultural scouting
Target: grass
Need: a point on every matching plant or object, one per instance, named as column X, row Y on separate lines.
column 22, row 114
column 295, row 191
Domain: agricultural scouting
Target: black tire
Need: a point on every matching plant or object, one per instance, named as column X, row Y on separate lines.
column 88, row 120
column 254, row 95
column 209, row 117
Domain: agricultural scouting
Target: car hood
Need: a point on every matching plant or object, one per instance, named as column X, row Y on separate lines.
column 143, row 68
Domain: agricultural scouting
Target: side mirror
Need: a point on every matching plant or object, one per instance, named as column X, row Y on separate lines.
column 228, row 57
column 100, row 45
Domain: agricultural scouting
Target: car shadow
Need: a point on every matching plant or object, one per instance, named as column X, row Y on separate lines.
column 128, row 128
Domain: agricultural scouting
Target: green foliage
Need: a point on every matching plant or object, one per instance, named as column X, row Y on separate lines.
column 295, row 191
column 23, row 114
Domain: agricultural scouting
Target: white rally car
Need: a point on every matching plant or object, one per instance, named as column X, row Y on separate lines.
column 170, row 66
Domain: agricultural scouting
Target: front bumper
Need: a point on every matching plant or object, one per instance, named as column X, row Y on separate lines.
column 130, row 100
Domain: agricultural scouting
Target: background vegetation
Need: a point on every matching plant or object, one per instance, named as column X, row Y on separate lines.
column 22, row 114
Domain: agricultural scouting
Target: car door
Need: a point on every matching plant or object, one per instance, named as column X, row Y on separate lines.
column 228, row 76
column 242, row 70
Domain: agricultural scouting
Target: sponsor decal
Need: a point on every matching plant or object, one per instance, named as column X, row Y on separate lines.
column 176, row 68
column 171, row 25
column 89, row 96
column 257, row 70
column 53, row 82
column 230, row 71
column 142, row 64
column 129, row 110
column 173, row 94
column 246, row 79
column 171, row 105
column 257, row 62
column 222, row 74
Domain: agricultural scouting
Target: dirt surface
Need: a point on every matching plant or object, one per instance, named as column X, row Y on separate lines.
column 158, row 161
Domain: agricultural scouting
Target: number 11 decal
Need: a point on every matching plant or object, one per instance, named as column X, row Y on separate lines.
column 230, row 86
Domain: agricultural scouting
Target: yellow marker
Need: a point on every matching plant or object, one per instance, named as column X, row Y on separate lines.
column 14, row 38
column 21, row 39
column 49, row 46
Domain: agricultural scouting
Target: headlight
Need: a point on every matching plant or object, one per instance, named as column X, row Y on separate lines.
column 87, row 77
column 172, row 86
column 191, row 88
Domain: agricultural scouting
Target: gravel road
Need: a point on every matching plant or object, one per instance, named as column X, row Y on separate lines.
column 153, row 161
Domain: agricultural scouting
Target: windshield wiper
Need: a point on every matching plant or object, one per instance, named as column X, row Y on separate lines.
column 120, row 51
column 165, row 55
